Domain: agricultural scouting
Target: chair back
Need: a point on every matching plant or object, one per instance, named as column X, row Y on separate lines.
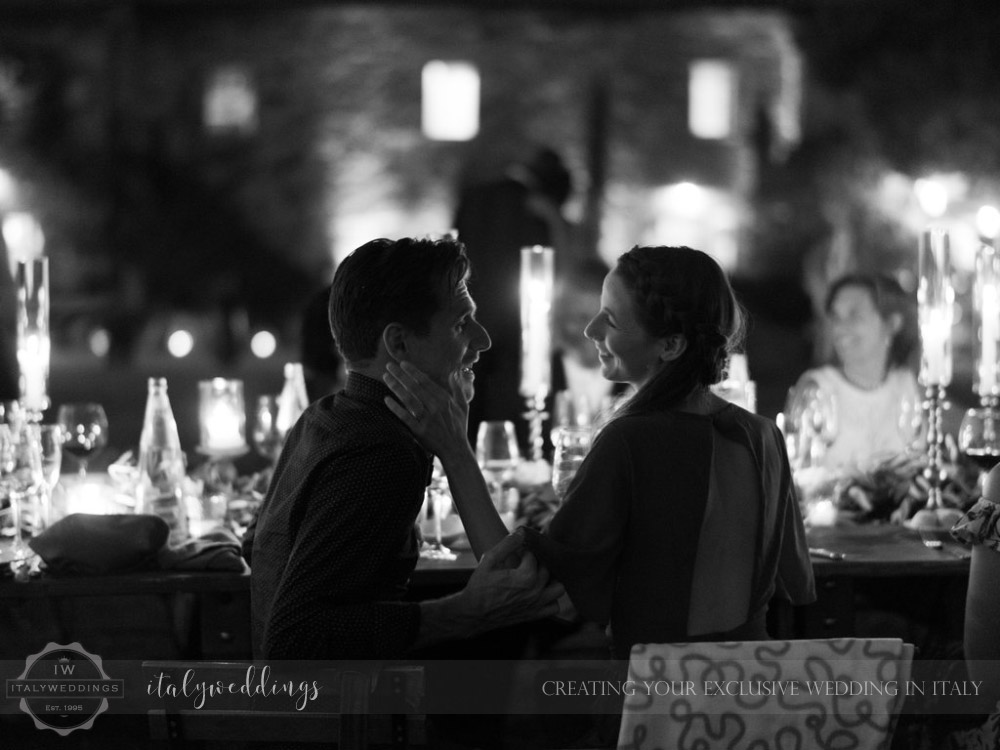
column 833, row 693
column 351, row 706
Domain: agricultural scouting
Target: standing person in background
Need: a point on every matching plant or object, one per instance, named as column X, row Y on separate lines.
column 872, row 324
column 495, row 220
column 9, row 370
column 322, row 364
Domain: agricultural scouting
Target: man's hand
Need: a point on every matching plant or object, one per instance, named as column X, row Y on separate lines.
column 509, row 587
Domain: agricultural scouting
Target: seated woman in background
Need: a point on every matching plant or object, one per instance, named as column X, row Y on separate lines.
column 682, row 521
column 872, row 325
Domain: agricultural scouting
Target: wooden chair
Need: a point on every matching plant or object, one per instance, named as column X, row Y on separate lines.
column 351, row 706
column 849, row 694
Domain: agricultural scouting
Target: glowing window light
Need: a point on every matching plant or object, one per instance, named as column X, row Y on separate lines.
column 180, row 343
column 99, row 342
column 230, row 101
column 263, row 344
column 7, row 189
column 23, row 235
column 988, row 222
column 450, row 101
column 711, row 84
column 932, row 197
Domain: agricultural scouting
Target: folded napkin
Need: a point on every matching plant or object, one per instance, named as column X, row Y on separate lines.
column 844, row 692
column 84, row 543
column 215, row 550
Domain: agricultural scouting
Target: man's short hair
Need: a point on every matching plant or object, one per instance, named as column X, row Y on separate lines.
column 392, row 281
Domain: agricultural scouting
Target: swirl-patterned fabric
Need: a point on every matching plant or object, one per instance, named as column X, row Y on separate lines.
column 836, row 694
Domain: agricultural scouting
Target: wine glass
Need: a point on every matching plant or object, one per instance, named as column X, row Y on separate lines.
column 498, row 456
column 812, row 417
column 266, row 436
column 50, row 444
column 571, row 447
column 979, row 441
column 439, row 504
column 85, row 431
column 912, row 424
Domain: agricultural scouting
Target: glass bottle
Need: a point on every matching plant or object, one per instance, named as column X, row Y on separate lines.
column 293, row 399
column 161, row 464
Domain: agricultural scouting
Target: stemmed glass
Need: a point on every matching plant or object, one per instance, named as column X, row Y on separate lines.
column 978, row 439
column 85, row 431
column 812, row 417
column 439, row 502
column 912, row 424
column 498, row 456
column 266, row 436
column 50, row 441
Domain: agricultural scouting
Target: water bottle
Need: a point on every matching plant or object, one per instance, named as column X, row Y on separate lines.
column 161, row 464
column 293, row 399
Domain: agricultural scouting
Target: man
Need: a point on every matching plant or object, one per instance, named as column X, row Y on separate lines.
column 335, row 543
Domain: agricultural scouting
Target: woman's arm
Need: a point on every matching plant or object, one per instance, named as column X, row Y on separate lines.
column 439, row 420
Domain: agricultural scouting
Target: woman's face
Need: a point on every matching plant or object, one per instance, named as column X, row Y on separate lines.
column 628, row 353
column 861, row 336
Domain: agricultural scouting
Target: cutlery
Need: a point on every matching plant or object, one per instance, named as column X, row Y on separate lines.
column 932, row 542
column 828, row 554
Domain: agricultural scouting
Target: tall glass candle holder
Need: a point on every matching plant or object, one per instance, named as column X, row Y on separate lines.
column 33, row 342
column 986, row 306
column 537, row 283
column 222, row 418
column 936, row 303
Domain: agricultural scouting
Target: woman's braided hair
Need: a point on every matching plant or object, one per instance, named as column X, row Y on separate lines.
column 678, row 290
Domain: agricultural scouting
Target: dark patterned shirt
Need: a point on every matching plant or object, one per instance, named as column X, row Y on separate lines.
column 335, row 543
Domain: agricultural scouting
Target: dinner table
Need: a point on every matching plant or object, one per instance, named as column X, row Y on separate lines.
column 205, row 614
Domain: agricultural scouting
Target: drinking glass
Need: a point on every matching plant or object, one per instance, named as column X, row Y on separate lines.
column 498, row 456
column 978, row 439
column 571, row 447
column 267, row 438
column 50, row 444
column 85, row 431
column 811, row 415
column 21, row 479
column 439, row 505
column 913, row 424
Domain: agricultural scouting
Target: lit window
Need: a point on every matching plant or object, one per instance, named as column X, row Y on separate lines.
column 450, row 101
column 230, row 103
column 711, row 85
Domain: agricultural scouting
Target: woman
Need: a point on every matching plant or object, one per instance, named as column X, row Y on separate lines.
column 873, row 329
column 682, row 522
column 981, row 528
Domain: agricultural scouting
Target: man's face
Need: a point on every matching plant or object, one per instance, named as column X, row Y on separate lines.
column 451, row 346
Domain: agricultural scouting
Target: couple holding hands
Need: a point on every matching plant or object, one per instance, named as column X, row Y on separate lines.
column 680, row 525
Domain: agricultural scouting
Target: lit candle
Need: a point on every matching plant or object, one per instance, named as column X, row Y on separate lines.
column 223, row 416
column 987, row 303
column 822, row 513
column 33, row 343
column 936, row 299
column 537, row 272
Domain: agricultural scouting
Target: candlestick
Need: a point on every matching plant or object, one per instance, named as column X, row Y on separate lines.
column 222, row 417
column 33, row 343
column 537, row 281
column 936, row 301
column 986, row 302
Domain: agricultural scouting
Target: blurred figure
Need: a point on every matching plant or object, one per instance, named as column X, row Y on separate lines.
column 322, row 364
column 872, row 325
column 494, row 221
column 9, row 371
